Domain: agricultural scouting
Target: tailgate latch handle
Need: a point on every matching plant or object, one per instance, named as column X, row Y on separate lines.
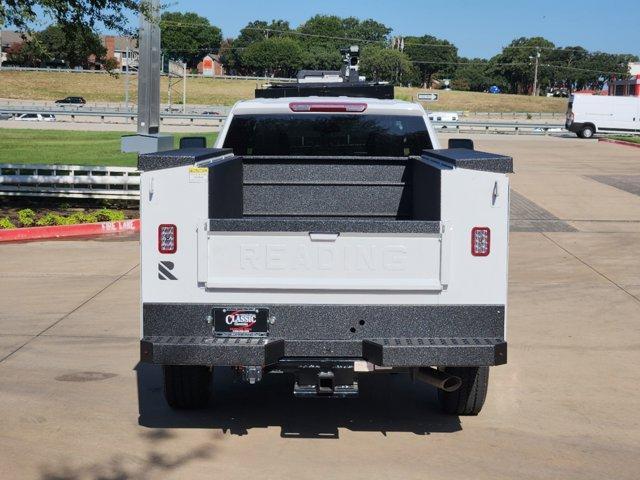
column 323, row 236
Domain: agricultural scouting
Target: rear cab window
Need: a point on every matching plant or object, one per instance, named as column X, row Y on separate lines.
column 327, row 134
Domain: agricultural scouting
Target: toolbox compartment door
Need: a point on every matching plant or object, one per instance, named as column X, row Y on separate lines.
column 322, row 261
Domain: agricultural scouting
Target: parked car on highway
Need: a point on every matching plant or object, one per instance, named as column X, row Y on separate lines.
column 5, row 116
column 72, row 101
column 35, row 117
column 442, row 117
column 210, row 112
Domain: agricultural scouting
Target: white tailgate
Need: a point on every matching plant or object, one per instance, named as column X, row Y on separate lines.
column 308, row 261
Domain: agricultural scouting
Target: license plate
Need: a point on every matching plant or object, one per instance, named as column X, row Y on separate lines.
column 241, row 321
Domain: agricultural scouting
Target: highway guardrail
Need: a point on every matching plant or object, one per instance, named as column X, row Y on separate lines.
column 70, row 181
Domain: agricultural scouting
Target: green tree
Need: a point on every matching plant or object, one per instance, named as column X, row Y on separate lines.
column 188, row 36
column 70, row 45
column 385, row 64
column 318, row 57
column 600, row 67
column 276, row 56
column 253, row 32
column 113, row 14
column 516, row 63
column 565, row 67
column 477, row 75
column 334, row 32
column 431, row 56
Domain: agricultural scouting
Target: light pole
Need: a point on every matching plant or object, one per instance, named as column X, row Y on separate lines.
column 535, row 72
column 1, row 53
column 126, row 76
column 148, row 138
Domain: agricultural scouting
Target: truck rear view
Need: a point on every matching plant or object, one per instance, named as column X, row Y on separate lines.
column 325, row 238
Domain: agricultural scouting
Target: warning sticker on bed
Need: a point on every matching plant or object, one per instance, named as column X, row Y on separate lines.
column 197, row 174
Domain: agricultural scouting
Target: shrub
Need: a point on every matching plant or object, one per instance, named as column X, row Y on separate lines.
column 26, row 217
column 6, row 223
column 81, row 217
column 106, row 215
column 102, row 215
column 52, row 219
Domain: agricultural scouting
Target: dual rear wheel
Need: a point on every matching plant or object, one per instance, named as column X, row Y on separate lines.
column 187, row 386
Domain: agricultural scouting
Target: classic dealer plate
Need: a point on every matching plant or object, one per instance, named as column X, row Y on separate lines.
column 240, row 321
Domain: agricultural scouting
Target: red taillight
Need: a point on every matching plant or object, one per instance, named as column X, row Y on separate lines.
column 167, row 238
column 480, row 241
column 328, row 107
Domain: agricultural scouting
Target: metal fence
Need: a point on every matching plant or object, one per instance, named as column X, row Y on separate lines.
column 499, row 127
column 69, row 181
column 134, row 72
column 512, row 126
column 125, row 116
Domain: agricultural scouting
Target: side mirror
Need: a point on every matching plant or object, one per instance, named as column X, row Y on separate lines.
column 461, row 143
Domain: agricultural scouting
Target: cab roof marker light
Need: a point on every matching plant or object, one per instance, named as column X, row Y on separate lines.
column 347, row 107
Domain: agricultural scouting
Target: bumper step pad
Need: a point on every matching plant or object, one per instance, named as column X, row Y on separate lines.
column 228, row 351
column 415, row 352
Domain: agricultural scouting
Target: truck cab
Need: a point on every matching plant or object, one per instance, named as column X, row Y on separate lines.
column 326, row 236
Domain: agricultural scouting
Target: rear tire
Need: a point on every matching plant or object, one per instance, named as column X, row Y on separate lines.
column 470, row 397
column 187, row 386
column 586, row 132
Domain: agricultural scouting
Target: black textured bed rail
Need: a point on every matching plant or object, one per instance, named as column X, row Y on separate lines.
column 178, row 158
column 322, row 225
column 471, row 159
column 414, row 352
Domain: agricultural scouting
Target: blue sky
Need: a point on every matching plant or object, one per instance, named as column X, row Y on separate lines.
column 477, row 28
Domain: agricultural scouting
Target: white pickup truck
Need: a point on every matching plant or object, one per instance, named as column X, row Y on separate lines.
column 325, row 237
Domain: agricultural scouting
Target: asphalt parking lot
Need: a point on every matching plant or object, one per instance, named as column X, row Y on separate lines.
column 75, row 404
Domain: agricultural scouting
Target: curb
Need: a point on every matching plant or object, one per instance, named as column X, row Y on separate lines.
column 619, row 142
column 60, row 231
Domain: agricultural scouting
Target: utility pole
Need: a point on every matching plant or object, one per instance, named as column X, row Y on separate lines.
column 535, row 73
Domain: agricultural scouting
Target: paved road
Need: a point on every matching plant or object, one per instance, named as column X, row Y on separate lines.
column 74, row 404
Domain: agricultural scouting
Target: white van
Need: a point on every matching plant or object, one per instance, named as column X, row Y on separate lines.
column 591, row 114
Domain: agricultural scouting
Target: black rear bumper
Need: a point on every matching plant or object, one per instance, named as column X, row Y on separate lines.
column 385, row 335
column 387, row 352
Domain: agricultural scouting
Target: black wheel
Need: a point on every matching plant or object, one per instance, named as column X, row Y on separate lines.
column 586, row 132
column 469, row 398
column 186, row 386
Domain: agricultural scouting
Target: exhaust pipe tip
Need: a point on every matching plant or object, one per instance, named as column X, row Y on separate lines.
column 438, row 378
column 451, row 384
